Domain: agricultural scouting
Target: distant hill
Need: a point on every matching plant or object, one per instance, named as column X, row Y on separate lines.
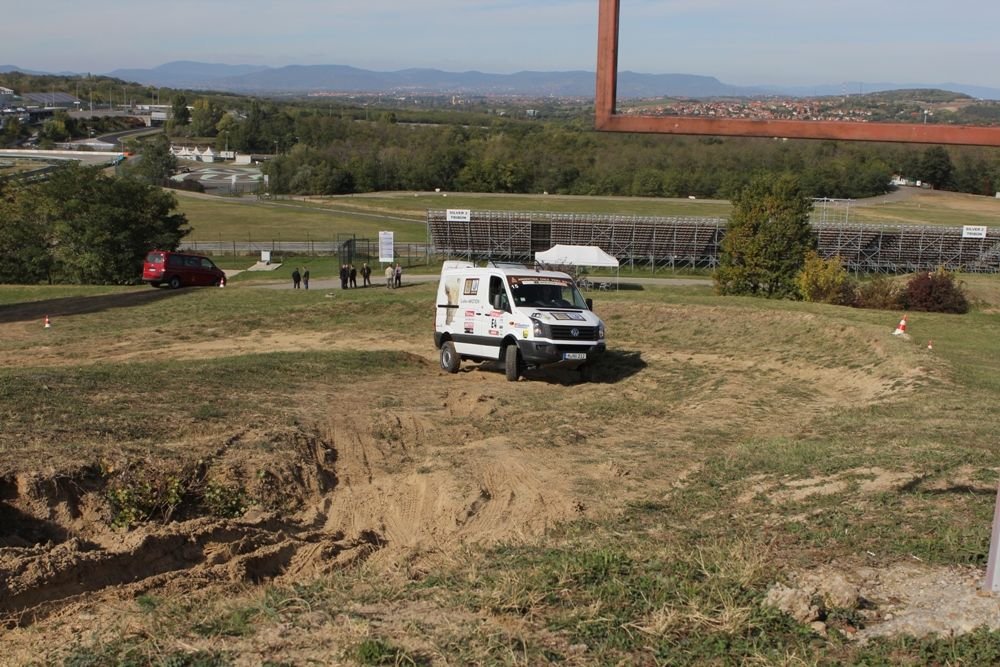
column 300, row 79
column 341, row 78
column 186, row 74
column 14, row 68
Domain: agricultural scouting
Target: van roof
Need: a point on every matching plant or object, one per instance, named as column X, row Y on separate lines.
column 518, row 270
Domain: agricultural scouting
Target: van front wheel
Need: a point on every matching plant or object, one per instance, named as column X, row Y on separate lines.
column 450, row 361
column 512, row 362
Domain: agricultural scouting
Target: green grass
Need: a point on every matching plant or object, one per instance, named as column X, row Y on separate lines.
column 922, row 213
column 263, row 222
column 416, row 204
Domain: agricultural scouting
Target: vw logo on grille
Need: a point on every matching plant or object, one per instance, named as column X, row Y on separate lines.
column 575, row 332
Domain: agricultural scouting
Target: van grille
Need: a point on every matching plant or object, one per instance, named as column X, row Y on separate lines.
column 563, row 332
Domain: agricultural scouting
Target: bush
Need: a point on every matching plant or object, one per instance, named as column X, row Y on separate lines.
column 881, row 293
column 189, row 185
column 825, row 281
column 936, row 292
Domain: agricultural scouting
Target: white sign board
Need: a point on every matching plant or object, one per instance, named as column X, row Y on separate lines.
column 265, row 256
column 974, row 232
column 459, row 215
column 386, row 251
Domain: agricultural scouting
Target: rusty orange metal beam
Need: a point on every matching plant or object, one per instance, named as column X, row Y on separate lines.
column 606, row 119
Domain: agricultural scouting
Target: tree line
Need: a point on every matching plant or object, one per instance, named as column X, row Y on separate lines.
column 319, row 152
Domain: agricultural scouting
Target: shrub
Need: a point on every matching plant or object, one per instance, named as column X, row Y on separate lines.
column 936, row 292
column 825, row 280
column 881, row 293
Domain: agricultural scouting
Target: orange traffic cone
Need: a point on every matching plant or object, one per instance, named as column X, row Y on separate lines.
column 48, row 325
column 900, row 328
column 930, row 345
column 222, row 282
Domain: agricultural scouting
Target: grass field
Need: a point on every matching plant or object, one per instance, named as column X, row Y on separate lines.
column 323, row 218
column 251, row 476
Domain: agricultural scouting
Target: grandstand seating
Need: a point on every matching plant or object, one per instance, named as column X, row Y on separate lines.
column 689, row 241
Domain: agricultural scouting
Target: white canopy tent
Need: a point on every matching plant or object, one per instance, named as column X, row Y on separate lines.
column 578, row 255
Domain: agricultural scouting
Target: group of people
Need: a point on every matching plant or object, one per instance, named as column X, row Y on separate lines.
column 349, row 276
column 300, row 279
column 394, row 276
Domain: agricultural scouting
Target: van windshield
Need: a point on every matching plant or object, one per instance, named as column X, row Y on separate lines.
column 542, row 292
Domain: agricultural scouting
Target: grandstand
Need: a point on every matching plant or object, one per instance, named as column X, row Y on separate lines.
column 679, row 242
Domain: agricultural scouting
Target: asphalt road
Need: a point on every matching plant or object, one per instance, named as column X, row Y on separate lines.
column 378, row 282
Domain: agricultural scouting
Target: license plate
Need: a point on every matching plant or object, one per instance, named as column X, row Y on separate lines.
column 572, row 356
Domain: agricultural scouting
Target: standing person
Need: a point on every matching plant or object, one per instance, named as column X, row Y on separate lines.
column 354, row 276
column 296, row 278
column 305, row 277
column 399, row 275
column 389, row 273
column 366, row 275
column 343, row 276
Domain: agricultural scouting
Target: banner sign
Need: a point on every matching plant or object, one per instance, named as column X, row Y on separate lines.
column 974, row 232
column 386, row 251
column 459, row 215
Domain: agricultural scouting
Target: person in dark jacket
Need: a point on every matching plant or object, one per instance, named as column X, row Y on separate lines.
column 305, row 278
column 344, row 276
column 366, row 274
column 354, row 276
column 296, row 278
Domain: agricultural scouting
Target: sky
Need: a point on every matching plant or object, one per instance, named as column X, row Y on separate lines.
column 764, row 42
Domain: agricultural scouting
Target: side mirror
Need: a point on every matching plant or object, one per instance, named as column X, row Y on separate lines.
column 590, row 303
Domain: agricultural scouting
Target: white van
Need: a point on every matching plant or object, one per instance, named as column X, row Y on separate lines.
column 524, row 317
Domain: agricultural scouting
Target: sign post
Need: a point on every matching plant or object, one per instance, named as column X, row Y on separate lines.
column 386, row 250
column 992, row 582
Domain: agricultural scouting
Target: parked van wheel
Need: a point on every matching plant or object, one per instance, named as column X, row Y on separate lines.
column 175, row 282
column 450, row 361
column 512, row 362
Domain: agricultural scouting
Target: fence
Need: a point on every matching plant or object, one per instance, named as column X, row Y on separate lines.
column 348, row 250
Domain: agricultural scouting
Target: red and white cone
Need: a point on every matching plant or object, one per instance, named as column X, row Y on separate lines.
column 48, row 324
column 900, row 328
column 222, row 282
column 930, row 345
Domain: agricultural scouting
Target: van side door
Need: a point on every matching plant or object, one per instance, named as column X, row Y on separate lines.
column 491, row 316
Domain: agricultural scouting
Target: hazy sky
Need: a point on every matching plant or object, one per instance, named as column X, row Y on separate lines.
column 737, row 41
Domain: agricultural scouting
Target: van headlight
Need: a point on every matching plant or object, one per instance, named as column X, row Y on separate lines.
column 537, row 328
column 600, row 332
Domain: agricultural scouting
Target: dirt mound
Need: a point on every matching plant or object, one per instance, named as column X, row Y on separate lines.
column 59, row 539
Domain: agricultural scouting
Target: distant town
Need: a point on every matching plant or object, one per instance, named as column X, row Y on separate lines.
column 906, row 107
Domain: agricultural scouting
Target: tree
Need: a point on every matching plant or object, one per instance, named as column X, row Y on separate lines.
column 101, row 226
column 936, row 167
column 766, row 240
column 204, row 118
column 180, row 115
column 155, row 163
column 24, row 240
